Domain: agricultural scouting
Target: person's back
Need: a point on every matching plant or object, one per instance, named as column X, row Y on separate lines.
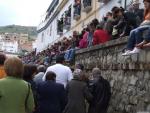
column 63, row 73
column 101, row 92
column 100, row 36
column 78, row 92
column 76, row 97
column 51, row 97
column 38, row 77
column 13, row 93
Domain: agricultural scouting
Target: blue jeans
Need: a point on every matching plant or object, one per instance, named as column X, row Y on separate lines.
column 69, row 55
column 136, row 37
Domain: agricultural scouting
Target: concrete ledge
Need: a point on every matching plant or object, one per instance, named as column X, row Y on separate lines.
column 108, row 44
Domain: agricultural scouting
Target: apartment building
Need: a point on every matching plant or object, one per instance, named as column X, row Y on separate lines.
column 9, row 42
column 65, row 16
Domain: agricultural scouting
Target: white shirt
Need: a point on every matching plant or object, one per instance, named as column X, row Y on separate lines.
column 63, row 73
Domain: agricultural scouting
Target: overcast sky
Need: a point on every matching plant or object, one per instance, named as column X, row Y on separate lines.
column 22, row 12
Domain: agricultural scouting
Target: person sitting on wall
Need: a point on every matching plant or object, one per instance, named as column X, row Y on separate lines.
column 136, row 36
column 108, row 24
column 100, row 36
column 124, row 22
column 135, row 8
column 83, row 42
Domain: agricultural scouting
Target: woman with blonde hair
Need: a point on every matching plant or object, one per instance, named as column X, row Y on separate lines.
column 15, row 94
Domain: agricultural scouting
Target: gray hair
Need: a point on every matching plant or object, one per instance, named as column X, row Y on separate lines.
column 77, row 73
column 41, row 68
column 96, row 72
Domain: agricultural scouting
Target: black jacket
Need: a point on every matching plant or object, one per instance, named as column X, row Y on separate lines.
column 101, row 92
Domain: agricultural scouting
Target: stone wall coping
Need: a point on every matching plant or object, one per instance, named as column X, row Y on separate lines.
column 110, row 43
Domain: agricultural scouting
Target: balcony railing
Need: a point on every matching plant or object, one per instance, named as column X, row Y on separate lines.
column 60, row 28
column 103, row 1
column 77, row 11
column 67, row 23
column 87, row 5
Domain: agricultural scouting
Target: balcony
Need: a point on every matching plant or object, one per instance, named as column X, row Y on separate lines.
column 77, row 11
column 67, row 23
column 77, row 17
column 87, row 6
column 60, row 27
column 103, row 1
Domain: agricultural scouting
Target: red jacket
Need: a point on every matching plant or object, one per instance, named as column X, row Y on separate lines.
column 83, row 42
column 100, row 36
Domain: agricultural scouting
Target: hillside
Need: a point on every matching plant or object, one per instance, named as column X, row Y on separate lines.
column 19, row 29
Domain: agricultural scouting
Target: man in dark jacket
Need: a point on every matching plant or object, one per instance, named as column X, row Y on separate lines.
column 101, row 92
column 51, row 95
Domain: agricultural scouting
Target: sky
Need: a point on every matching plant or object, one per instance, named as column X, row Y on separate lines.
column 22, row 12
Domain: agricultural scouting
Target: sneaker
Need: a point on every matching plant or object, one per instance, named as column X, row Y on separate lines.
column 126, row 53
column 134, row 51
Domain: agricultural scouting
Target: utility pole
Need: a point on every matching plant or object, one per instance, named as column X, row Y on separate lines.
column 125, row 4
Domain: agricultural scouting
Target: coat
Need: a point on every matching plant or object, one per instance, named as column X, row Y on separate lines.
column 15, row 96
column 101, row 92
column 51, row 97
column 77, row 93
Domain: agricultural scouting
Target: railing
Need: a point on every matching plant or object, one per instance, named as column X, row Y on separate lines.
column 87, row 5
column 103, row 1
column 67, row 23
column 77, row 11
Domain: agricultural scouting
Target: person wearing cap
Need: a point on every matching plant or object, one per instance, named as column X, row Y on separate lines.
column 2, row 60
column 63, row 73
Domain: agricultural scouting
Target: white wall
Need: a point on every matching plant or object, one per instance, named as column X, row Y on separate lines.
column 48, row 39
column 11, row 47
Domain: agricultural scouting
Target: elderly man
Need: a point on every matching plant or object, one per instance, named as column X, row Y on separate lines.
column 100, row 89
column 38, row 77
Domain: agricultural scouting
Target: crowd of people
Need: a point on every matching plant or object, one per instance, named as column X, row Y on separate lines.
column 56, row 89
column 42, row 83
column 117, row 23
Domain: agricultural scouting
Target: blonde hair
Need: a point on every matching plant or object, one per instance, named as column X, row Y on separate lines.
column 14, row 67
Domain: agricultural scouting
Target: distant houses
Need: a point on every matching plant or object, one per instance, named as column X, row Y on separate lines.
column 15, row 43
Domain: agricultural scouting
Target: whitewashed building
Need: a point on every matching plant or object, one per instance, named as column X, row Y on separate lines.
column 50, row 29
column 10, row 47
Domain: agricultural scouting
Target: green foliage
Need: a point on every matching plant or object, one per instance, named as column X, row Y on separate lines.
column 19, row 29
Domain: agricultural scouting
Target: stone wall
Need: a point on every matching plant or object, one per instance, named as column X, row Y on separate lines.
column 129, row 76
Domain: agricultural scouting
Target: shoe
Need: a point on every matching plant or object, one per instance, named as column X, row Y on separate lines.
column 126, row 53
column 134, row 51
